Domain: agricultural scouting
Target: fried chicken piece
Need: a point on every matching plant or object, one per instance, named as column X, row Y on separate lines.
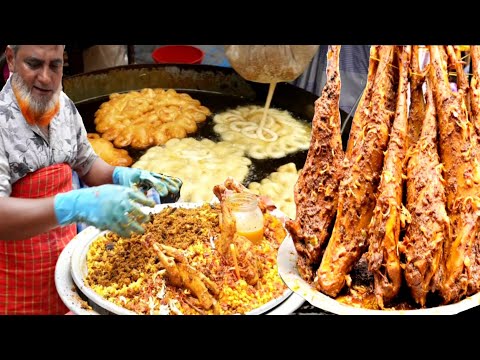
column 358, row 187
column 429, row 225
column 462, row 175
column 274, row 231
column 109, row 153
column 231, row 185
column 182, row 275
column 316, row 190
column 236, row 249
column 384, row 228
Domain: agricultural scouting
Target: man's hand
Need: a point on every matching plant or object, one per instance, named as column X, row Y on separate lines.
column 107, row 207
column 168, row 187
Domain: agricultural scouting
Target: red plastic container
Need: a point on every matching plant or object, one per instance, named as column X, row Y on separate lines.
column 178, row 54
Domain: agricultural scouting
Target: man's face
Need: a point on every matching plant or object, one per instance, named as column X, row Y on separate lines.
column 37, row 80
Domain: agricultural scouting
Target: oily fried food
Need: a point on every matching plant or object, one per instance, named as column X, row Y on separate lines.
column 279, row 187
column 316, row 191
column 108, row 152
column 276, row 136
column 384, row 228
column 357, row 189
column 458, row 153
column 148, row 117
column 214, row 161
column 429, row 225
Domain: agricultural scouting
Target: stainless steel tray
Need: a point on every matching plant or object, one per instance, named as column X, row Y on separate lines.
column 287, row 267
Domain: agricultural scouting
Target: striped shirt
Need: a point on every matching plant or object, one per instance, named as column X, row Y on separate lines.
column 354, row 60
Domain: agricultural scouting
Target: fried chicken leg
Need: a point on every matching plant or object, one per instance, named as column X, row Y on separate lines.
column 236, row 249
column 384, row 228
column 358, row 187
column 316, row 190
column 429, row 226
column 462, row 175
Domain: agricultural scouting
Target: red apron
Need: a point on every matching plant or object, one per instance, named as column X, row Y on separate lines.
column 27, row 267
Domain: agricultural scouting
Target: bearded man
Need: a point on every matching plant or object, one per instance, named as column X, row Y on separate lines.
column 42, row 138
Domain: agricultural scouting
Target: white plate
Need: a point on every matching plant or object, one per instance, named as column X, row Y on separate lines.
column 64, row 283
column 287, row 267
column 79, row 268
column 293, row 302
column 68, row 293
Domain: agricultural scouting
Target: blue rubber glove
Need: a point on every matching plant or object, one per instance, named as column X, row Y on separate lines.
column 168, row 187
column 107, row 207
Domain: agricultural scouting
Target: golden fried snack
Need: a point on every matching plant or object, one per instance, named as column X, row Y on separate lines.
column 278, row 135
column 141, row 119
column 199, row 163
column 279, row 187
column 106, row 150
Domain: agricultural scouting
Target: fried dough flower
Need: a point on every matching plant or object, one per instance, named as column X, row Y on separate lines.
column 141, row 119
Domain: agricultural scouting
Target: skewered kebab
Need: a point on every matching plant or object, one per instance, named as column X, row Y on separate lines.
column 356, row 192
column 384, row 227
column 316, row 190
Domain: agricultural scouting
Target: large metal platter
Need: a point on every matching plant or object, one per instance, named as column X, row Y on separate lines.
column 78, row 303
column 79, row 268
column 73, row 299
column 287, row 267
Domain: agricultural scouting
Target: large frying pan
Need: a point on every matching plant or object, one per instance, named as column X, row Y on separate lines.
column 218, row 88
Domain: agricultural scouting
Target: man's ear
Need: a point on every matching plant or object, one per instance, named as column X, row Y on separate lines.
column 9, row 55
